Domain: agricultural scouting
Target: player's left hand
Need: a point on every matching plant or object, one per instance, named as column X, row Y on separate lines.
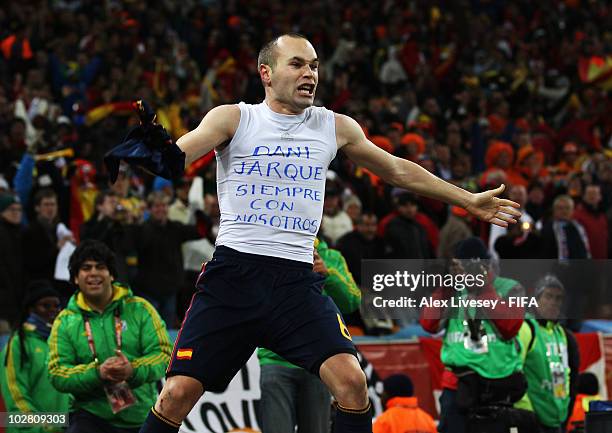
column 490, row 208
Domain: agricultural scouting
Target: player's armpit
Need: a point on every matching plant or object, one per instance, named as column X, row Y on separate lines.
column 218, row 126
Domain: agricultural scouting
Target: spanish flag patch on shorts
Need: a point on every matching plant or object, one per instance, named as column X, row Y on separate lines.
column 184, row 353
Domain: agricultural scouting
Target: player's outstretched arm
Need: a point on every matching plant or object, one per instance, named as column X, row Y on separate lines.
column 217, row 127
column 406, row 174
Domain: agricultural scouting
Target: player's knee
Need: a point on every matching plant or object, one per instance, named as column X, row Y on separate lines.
column 352, row 391
column 179, row 395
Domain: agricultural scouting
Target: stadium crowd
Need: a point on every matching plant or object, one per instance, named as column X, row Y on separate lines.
column 478, row 92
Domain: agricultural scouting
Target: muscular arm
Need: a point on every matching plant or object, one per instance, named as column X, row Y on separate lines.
column 406, row 174
column 217, row 127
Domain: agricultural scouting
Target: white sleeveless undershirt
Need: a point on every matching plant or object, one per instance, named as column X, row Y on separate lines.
column 271, row 181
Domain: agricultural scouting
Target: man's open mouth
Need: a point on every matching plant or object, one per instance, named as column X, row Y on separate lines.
column 306, row 89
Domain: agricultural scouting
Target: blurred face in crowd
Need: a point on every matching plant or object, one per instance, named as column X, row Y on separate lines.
column 159, row 211
column 460, row 167
column 592, row 195
column 353, row 210
column 453, row 136
column 503, row 160
column 47, row 208
column 121, row 185
column 291, row 82
column 47, row 308
column 518, row 193
column 211, row 204
column 536, row 195
column 182, row 192
column 563, row 209
column 17, row 132
column 94, row 280
column 532, row 164
column 108, row 206
column 570, row 157
column 408, row 210
column 550, row 302
column 431, row 107
column 12, row 214
column 367, row 226
column 574, row 187
column 331, row 204
column 443, row 154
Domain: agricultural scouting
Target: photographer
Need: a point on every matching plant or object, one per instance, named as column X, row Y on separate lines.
column 111, row 223
column 479, row 351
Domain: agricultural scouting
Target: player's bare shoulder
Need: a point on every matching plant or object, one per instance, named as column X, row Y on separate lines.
column 348, row 130
column 226, row 118
column 216, row 129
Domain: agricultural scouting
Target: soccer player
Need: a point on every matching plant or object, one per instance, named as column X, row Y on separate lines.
column 259, row 289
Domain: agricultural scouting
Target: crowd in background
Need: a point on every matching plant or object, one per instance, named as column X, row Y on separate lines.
column 478, row 92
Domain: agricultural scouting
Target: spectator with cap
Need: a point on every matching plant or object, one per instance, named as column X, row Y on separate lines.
column 11, row 257
column 402, row 413
column 551, row 358
column 108, row 348
column 24, row 382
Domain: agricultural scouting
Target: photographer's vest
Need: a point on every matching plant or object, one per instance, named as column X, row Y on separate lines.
column 491, row 357
column 547, row 372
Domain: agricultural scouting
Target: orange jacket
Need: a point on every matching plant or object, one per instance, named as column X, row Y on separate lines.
column 581, row 406
column 404, row 416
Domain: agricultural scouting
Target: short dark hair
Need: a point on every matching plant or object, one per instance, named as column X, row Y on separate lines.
column 91, row 249
column 407, row 198
column 398, row 385
column 267, row 54
column 588, row 383
column 102, row 196
column 361, row 217
column 42, row 194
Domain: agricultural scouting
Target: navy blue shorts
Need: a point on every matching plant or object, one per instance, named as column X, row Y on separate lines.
column 245, row 301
